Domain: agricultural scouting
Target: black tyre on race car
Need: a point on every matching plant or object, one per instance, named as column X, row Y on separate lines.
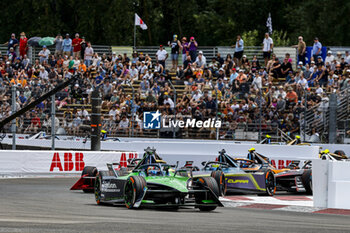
column 133, row 190
column 270, row 183
column 306, row 178
column 219, row 176
column 210, row 183
column 97, row 186
column 90, row 172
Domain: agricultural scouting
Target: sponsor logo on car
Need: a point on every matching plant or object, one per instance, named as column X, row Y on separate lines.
column 231, row 181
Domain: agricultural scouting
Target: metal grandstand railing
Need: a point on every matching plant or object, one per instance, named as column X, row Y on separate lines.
column 317, row 117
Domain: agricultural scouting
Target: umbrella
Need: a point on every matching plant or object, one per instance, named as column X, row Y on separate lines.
column 34, row 41
column 46, row 41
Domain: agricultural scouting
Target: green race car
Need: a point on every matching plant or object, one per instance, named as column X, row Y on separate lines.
column 154, row 183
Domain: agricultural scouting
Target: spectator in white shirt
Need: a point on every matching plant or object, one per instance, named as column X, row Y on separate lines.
column 303, row 82
column 201, row 61
column 319, row 89
column 267, row 47
column 113, row 112
column 196, row 96
column 169, row 101
column 257, row 82
column 43, row 73
column 161, row 55
column 124, row 125
column 329, row 58
column 134, row 73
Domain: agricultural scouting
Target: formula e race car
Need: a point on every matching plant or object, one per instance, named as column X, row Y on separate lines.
column 231, row 177
column 291, row 179
column 154, row 183
column 88, row 176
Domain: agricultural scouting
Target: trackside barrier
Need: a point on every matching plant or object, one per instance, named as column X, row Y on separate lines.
column 331, row 183
column 198, row 150
column 21, row 163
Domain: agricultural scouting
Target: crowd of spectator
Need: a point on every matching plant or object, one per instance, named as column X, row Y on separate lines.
column 243, row 93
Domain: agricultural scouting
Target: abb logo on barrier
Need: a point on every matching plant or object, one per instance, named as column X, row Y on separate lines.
column 78, row 163
column 281, row 163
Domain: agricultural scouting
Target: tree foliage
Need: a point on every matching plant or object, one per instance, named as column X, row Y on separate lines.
column 212, row 22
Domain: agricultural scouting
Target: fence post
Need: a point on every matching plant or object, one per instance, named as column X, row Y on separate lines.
column 172, row 86
column 95, row 120
column 332, row 121
column 53, row 117
column 132, row 110
column 305, row 99
column 13, row 109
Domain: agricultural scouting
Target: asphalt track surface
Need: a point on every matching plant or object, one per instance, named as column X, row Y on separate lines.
column 47, row 205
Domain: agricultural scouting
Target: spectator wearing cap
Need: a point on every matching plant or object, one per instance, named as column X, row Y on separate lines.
column 44, row 54
column 239, row 49
column 12, row 54
column 76, row 43
column 201, row 61
column 316, row 49
column 329, row 58
column 301, row 49
column 339, row 57
column 192, row 48
column 67, row 45
column 233, row 75
column 319, row 61
column 175, row 47
column 12, row 43
column 267, row 47
column 241, row 75
column 88, row 53
column 161, row 55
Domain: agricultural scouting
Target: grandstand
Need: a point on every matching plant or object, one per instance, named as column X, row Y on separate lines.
column 244, row 114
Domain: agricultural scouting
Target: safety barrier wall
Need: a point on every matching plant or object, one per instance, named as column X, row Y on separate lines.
column 331, row 184
column 61, row 162
column 22, row 163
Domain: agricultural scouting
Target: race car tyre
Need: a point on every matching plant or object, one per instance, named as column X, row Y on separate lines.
column 91, row 172
column 219, row 176
column 306, row 178
column 133, row 190
column 211, row 183
column 97, row 188
column 270, row 183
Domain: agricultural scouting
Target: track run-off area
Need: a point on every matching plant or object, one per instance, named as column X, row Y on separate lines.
column 47, row 205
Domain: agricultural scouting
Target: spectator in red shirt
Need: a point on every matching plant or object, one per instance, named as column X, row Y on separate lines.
column 76, row 42
column 35, row 123
column 23, row 45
